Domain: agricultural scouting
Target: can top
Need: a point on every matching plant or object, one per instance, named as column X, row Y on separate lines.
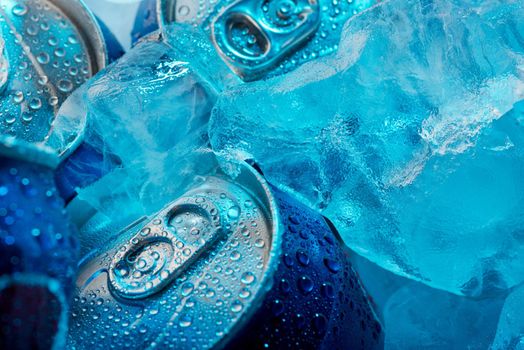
column 47, row 49
column 14, row 148
column 263, row 38
column 190, row 275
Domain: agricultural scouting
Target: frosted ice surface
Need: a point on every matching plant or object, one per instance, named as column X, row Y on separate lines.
column 510, row 331
column 409, row 138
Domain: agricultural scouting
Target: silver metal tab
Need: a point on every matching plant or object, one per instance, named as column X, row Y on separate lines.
column 255, row 36
column 165, row 247
column 158, row 294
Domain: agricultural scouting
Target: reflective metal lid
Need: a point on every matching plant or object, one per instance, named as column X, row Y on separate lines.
column 47, row 49
column 263, row 38
column 187, row 277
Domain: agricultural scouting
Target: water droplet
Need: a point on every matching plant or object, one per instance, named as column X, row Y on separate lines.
column 327, row 290
column 72, row 39
column 248, row 278
column 237, row 306
column 60, row 52
column 305, row 284
column 320, row 324
column 302, row 258
column 244, row 293
column 187, row 289
column 53, row 101
column 233, row 212
column 259, row 243
column 35, row 103
column 53, row 41
column 10, row 119
column 235, row 255
column 18, row 97
column 42, row 58
column 332, row 265
column 277, row 308
column 185, row 321
column 65, row 85
column 20, row 10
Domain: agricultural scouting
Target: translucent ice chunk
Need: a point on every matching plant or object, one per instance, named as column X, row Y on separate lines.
column 407, row 138
column 416, row 316
column 144, row 122
column 419, row 317
column 510, row 331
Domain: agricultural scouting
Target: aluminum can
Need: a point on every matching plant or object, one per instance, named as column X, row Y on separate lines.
column 38, row 248
column 146, row 20
column 232, row 263
column 47, row 49
column 262, row 38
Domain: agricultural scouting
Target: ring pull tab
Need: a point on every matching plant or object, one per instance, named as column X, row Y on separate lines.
column 4, row 65
column 253, row 37
column 165, row 247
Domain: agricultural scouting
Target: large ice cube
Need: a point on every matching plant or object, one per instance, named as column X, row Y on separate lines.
column 407, row 138
column 416, row 316
column 144, row 121
column 510, row 331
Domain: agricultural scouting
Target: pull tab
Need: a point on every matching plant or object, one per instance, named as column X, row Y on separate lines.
column 254, row 36
column 4, row 65
column 165, row 247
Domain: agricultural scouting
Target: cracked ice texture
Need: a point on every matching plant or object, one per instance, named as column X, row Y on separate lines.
column 408, row 138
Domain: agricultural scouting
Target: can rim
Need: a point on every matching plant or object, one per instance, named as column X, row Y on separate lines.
column 265, row 195
column 85, row 22
column 14, row 148
column 92, row 36
column 163, row 8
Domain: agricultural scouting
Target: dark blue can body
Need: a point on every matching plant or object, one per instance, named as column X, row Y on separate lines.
column 312, row 300
column 316, row 301
column 146, row 21
column 38, row 248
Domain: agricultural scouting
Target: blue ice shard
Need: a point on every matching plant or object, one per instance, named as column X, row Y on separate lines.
column 510, row 331
column 410, row 138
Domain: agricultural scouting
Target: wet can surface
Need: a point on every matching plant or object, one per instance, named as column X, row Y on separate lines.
column 230, row 264
column 263, row 38
column 47, row 49
column 38, row 246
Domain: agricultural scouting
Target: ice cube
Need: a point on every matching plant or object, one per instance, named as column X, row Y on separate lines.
column 407, row 138
column 143, row 119
column 510, row 331
column 420, row 317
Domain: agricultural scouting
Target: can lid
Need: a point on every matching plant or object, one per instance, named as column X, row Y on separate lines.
column 14, row 148
column 85, row 21
column 193, row 274
column 263, row 38
column 49, row 48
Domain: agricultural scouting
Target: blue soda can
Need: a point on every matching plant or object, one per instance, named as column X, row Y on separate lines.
column 146, row 21
column 47, row 49
column 38, row 248
column 259, row 39
column 233, row 264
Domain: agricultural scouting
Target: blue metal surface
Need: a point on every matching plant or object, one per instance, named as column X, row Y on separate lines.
column 146, row 21
column 316, row 301
column 38, row 248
